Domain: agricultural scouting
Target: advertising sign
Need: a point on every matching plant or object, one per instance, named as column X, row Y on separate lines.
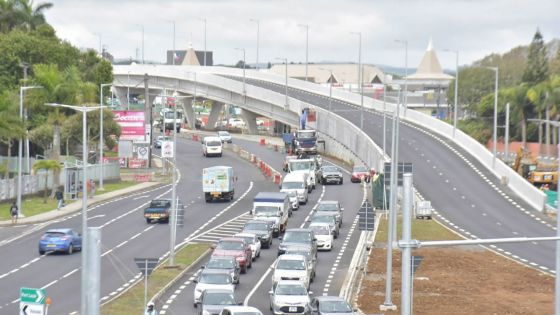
column 132, row 124
column 136, row 163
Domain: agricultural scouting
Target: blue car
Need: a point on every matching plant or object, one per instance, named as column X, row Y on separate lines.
column 60, row 240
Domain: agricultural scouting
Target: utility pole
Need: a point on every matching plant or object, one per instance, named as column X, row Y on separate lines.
column 148, row 110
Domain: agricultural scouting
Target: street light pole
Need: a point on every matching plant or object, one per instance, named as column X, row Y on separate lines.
column 456, row 89
column 142, row 42
column 330, row 87
column 204, row 20
column 173, row 54
column 405, row 96
column 244, row 90
column 286, row 92
column 101, row 140
column 495, row 133
column 173, row 225
column 306, row 47
column 258, row 26
column 360, row 78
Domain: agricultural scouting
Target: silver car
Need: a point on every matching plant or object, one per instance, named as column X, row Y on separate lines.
column 326, row 218
column 331, row 305
column 330, row 207
column 310, row 255
column 291, row 267
column 290, row 297
column 212, row 279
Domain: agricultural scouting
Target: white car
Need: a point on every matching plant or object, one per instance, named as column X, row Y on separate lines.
column 289, row 297
column 212, row 279
column 224, row 136
column 291, row 267
column 212, row 146
column 253, row 241
column 323, row 234
column 240, row 310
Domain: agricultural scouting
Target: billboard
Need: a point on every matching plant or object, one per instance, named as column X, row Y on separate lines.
column 132, row 124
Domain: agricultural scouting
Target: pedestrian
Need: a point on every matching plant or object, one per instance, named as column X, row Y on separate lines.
column 151, row 309
column 59, row 198
column 14, row 211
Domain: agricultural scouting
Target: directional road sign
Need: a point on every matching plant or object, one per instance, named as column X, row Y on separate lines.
column 146, row 265
column 32, row 301
column 402, row 168
column 366, row 220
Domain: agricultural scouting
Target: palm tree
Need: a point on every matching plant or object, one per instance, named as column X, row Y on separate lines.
column 47, row 165
column 22, row 14
column 11, row 127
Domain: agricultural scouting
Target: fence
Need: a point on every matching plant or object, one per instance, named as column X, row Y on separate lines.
column 32, row 184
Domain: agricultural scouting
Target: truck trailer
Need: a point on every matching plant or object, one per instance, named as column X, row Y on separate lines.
column 217, row 183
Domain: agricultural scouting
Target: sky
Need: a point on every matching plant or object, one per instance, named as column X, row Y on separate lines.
column 473, row 27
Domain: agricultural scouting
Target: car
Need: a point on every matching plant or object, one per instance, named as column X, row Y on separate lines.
column 326, row 218
column 297, row 237
column 159, row 141
column 287, row 160
column 240, row 310
column 291, row 267
column 307, row 251
column 224, row 263
column 213, row 301
column 236, row 247
column 253, row 241
column 296, row 182
column 361, row 173
column 263, row 230
column 212, row 146
column 329, row 305
column 324, row 235
column 212, row 279
column 294, row 200
column 331, row 207
column 60, row 240
column 290, row 297
column 224, row 136
column 328, row 174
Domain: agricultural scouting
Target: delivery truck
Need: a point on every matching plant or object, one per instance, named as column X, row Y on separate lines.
column 217, row 183
column 272, row 206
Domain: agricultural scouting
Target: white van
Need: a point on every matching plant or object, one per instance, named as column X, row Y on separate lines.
column 212, row 146
column 296, row 182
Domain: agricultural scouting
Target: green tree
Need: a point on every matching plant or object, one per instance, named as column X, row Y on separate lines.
column 11, row 127
column 21, row 14
column 537, row 63
column 555, row 64
column 47, row 165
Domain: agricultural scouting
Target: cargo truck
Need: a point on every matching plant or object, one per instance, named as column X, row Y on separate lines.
column 218, row 183
column 272, row 206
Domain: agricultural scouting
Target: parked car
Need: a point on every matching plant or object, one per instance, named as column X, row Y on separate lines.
column 297, row 237
column 60, row 240
column 225, row 136
column 213, row 301
column 329, row 305
column 291, row 267
column 330, row 174
column 290, row 297
column 224, row 263
column 330, row 207
column 326, row 218
column 236, row 247
column 324, row 235
column 253, row 241
column 240, row 310
column 212, row 279
column 263, row 230
column 159, row 141
column 361, row 173
column 308, row 252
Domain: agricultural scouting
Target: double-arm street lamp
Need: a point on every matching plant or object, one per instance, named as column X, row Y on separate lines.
column 495, row 132
column 101, row 139
column 84, row 109
column 360, row 78
column 243, row 49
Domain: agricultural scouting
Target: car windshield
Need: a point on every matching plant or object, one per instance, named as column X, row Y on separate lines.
column 248, row 239
column 220, row 264
column 320, row 230
column 160, row 203
column 327, row 207
column 213, row 143
column 306, row 253
column 291, row 289
column 306, row 135
column 169, row 115
column 292, row 185
column 256, row 226
column 219, row 299
column 300, row 166
column 329, row 169
column 223, row 133
column 334, row 307
column 360, row 169
column 227, row 245
column 292, row 193
column 215, row 278
column 266, row 211
column 54, row 234
column 323, row 219
column 290, row 264
column 297, row 237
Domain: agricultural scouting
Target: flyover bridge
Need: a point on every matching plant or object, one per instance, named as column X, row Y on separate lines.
column 474, row 195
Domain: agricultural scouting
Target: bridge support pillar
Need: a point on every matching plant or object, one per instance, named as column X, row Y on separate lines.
column 120, row 94
column 214, row 114
column 188, row 109
column 251, row 121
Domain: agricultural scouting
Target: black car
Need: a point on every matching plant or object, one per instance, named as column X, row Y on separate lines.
column 297, row 237
column 226, row 263
column 262, row 229
column 330, row 174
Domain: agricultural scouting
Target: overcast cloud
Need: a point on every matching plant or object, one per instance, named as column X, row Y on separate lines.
column 474, row 27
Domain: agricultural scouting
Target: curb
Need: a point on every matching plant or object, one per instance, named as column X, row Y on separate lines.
column 55, row 214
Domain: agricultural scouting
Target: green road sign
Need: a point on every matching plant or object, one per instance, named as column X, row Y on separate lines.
column 30, row 295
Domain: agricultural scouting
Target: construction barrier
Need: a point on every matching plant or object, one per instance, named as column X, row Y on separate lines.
column 253, row 159
column 262, row 141
column 277, row 178
column 195, row 137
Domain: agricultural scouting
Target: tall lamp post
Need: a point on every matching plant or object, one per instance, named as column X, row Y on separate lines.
column 173, row 54
column 142, row 26
column 101, row 139
column 258, row 26
column 456, row 89
column 330, row 87
column 84, row 109
column 360, row 79
column 243, row 50
column 22, row 89
column 286, row 105
column 204, row 20
column 495, row 132
column 405, row 96
column 306, row 47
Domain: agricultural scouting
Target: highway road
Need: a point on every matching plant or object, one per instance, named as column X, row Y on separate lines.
column 468, row 197
column 254, row 286
column 125, row 234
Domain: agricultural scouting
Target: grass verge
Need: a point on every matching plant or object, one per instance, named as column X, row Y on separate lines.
column 132, row 301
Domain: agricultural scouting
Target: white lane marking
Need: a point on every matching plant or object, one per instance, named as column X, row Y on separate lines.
column 257, row 285
column 140, row 197
column 96, row 216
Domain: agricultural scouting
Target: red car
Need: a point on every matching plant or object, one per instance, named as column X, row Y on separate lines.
column 361, row 173
column 237, row 248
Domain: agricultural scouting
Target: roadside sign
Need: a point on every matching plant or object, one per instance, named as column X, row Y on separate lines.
column 143, row 153
column 366, row 220
column 32, row 301
column 167, row 149
column 146, row 265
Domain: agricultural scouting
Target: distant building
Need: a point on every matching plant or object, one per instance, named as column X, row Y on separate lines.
column 190, row 57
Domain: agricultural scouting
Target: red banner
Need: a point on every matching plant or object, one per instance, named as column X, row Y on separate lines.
column 132, row 124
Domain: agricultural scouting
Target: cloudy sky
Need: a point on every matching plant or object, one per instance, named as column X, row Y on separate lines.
column 474, row 27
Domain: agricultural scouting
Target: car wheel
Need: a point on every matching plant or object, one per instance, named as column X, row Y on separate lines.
column 41, row 252
column 195, row 305
column 270, row 243
column 220, row 155
column 341, row 181
column 244, row 269
column 70, row 249
column 148, row 220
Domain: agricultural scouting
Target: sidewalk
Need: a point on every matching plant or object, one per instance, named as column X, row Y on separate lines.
column 77, row 205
